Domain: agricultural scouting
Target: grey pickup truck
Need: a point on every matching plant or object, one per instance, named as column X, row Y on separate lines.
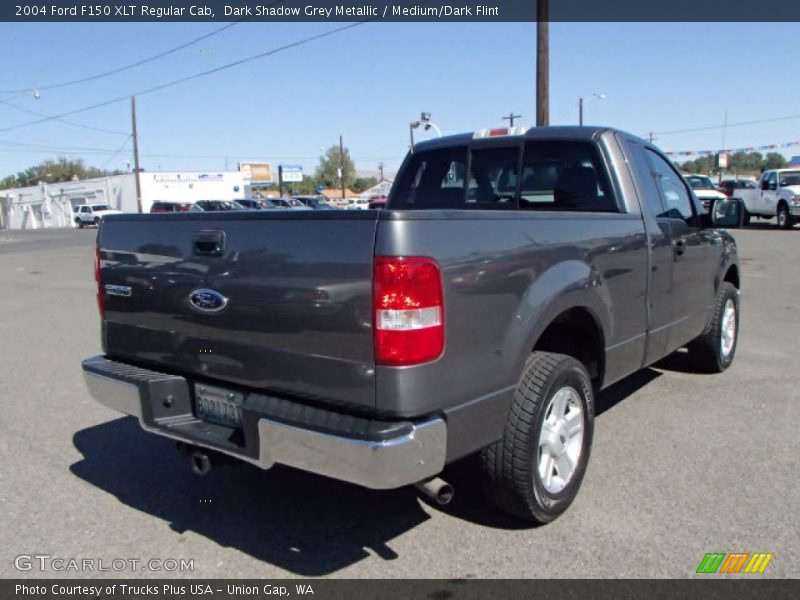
column 512, row 275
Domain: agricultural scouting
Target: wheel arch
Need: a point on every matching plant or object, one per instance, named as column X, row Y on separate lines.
column 576, row 332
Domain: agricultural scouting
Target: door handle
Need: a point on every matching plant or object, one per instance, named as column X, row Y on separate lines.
column 209, row 243
column 680, row 246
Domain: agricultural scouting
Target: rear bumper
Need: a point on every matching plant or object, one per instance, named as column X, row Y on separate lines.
column 374, row 454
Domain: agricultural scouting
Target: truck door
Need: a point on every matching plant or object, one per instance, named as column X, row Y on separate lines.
column 768, row 199
column 692, row 292
column 659, row 240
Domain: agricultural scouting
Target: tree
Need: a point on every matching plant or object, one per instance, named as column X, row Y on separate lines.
column 363, row 183
column 774, row 160
column 329, row 163
column 704, row 164
column 738, row 162
column 52, row 171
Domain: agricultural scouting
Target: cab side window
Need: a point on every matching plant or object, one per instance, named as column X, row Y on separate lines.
column 772, row 180
column 674, row 194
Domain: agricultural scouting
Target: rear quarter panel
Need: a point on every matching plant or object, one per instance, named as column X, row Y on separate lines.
column 506, row 275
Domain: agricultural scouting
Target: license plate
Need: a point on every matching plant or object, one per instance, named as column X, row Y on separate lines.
column 217, row 405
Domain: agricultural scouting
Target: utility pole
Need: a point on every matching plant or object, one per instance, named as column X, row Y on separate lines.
column 380, row 168
column 341, row 164
column 650, row 137
column 580, row 111
column 280, row 181
column 136, row 155
column 510, row 118
column 542, row 64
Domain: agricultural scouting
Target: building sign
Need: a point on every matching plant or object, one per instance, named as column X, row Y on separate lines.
column 187, row 177
column 256, row 171
column 292, row 173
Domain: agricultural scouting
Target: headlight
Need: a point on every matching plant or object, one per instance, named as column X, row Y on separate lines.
column 796, row 200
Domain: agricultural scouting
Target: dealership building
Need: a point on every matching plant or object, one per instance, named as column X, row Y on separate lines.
column 52, row 204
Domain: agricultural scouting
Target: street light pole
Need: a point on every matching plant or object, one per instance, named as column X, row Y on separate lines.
column 341, row 164
column 580, row 105
column 424, row 122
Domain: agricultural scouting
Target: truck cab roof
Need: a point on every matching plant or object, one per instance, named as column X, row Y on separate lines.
column 568, row 133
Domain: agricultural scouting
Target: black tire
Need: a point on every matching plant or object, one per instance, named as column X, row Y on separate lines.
column 784, row 216
column 745, row 216
column 510, row 467
column 79, row 223
column 97, row 221
column 706, row 352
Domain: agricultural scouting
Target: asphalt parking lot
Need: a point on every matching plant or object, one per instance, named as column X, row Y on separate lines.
column 682, row 463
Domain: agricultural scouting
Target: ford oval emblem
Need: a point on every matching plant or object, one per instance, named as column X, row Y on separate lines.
column 206, row 300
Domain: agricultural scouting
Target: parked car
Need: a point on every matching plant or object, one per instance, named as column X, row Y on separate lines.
column 357, row 204
column 289, row 203
column 92, row 214
column 315, row 202
column 731, row 187
column 377, row 202
column 255, row 203
column 218, row 205
column 705, row 190
column 777, row 194
column 376, row 347
column 163, row 206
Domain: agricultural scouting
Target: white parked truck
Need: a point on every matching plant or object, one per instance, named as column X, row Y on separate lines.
column 705, row 190
column 91, row 214
column 776, row 195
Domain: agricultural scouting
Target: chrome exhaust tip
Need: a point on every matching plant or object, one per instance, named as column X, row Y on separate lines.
column 437, row 490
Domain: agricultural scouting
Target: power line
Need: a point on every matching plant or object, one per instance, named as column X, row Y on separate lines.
column 113, row 156
column 73, row 123
column 740, row 124
column 162, row 86
column 90, row 150
column 132, row 65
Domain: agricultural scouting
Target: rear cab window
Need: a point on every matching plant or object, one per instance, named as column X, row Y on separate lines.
column 534, row 175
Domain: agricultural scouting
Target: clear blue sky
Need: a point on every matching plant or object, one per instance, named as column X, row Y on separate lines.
column 369, row 82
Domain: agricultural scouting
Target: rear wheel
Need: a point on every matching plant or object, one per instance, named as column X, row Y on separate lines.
column 784, row 217
column 535, row 470
column 714, row 350
column 79, row 223
column 745, row 216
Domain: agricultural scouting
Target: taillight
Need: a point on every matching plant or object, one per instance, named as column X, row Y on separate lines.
column 409, row 310
column 100, row 305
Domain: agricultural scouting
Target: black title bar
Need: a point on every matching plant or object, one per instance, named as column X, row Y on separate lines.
column 708, row 588
column 399, row 11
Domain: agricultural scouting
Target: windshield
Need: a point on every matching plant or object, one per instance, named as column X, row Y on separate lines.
column 699, row 182
column 789, row 178
column 100, row 207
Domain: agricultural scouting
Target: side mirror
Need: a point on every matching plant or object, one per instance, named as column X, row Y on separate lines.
column 727, row 213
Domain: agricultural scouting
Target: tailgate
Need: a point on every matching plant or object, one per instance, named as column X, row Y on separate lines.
column 297, row 320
